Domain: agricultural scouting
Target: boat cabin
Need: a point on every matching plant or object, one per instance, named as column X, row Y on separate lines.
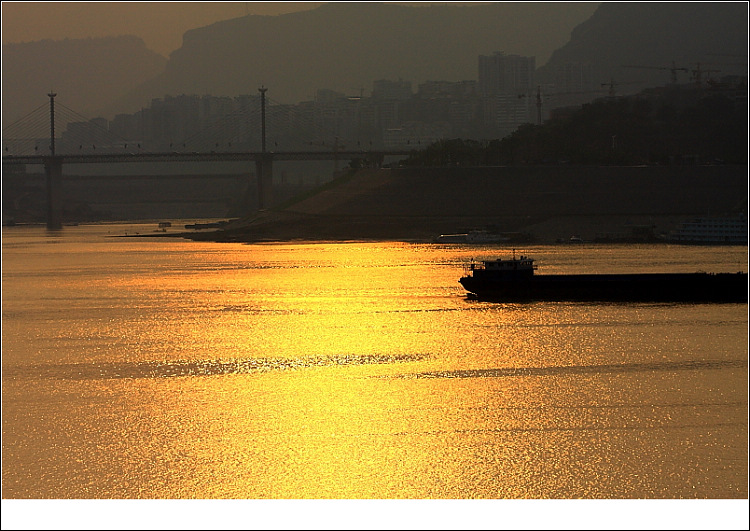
column 511, row 267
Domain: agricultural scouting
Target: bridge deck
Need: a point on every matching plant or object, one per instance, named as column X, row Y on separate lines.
column 201, row 157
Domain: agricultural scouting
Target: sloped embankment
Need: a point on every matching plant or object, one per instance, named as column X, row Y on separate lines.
column 548, row 202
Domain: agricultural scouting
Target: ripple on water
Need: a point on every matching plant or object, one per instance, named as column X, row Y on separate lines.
column 175, row 368
column 582, row 369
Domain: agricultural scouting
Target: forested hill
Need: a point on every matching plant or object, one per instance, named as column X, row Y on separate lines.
column 672, row 125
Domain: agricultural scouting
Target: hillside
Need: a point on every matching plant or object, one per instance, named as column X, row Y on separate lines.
column 345, row 46
column 707, row 35
column 545, row 202
column 87, row 74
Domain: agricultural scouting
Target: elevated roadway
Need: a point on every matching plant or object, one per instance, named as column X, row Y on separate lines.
column 53, row 165
column 213, row 156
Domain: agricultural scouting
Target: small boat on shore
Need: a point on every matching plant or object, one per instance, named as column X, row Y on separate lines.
column 514, row 279
column 474, row 236
column 213, row 225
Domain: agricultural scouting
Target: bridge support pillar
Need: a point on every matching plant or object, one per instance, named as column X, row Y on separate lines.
column 53, row 170
column 264, row 174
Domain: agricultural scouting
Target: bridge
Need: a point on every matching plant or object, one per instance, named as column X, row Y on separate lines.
column 17, row 150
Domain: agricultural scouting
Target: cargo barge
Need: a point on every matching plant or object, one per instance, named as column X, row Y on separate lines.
column 514, row 280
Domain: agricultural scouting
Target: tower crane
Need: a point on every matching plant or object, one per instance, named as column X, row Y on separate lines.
column 672, row 70
column 550, row 95
column 698, row 73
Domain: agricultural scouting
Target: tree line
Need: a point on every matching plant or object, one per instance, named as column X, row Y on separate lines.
column 708, row 128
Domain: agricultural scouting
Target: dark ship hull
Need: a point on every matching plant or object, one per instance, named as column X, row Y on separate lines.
column 649, row 287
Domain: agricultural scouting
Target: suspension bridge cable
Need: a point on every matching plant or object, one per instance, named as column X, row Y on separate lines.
column 69, row 113
column 37, row 128
column 291, row 126
column 44, row 105
column 32, row 123
column 23, row 136
column 91, row 134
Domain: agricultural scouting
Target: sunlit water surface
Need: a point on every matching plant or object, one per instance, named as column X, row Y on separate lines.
column 164, row 368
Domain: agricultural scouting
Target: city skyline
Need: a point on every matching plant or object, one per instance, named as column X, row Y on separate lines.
column 109, row 71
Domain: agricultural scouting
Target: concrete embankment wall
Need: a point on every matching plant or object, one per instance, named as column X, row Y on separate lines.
column 546, row 201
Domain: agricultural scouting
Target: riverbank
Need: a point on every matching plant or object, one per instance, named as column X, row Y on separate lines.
column 539, row 204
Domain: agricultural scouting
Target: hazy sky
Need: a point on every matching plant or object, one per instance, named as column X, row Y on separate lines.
column 160, row 24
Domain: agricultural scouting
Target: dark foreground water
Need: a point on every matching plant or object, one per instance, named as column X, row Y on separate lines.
column 161, row 368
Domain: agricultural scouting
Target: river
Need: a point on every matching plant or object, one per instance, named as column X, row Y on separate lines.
column 142, row 368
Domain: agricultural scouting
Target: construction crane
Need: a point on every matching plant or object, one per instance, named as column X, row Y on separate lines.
column 550, row 95
column 672, row 70
column 698, row 73
column 538, row 103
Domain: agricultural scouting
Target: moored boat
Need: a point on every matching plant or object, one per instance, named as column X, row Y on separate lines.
column 514, row 279
column 474, row 236
column 729, row 230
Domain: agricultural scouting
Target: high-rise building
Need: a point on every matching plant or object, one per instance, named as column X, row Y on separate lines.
column 385, row 89
column 506, row 84
column 506, row 74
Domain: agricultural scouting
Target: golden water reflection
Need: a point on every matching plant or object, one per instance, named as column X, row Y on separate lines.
column 338, row 433
column 357, row 370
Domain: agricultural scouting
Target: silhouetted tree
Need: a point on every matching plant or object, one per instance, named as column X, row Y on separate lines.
column 705, row 127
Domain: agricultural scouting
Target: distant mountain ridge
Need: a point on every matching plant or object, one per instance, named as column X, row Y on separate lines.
column 87, row 74
column 345, row 46
column 654, row 35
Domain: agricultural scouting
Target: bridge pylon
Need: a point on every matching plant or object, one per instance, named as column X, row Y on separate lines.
column 53, row 170
column 264, row 176
column 264, row 162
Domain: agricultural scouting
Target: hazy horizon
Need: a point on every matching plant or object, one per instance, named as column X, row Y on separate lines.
column 99, row 76
column 161, row 25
